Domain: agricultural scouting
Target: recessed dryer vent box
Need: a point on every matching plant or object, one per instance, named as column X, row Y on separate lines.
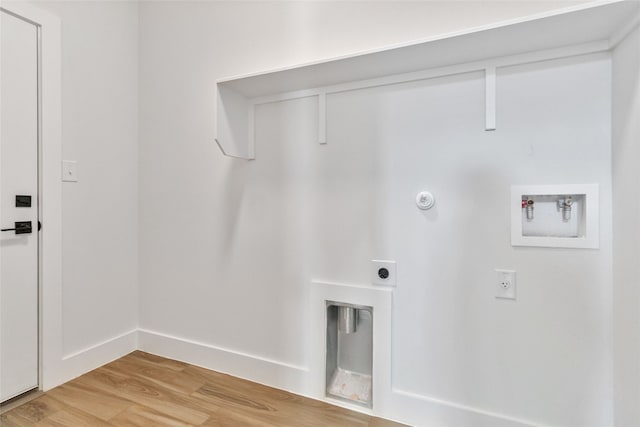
column 556, row 216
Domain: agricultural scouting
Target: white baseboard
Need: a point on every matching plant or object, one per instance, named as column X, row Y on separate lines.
column 78, row 363
column 254, row 368
column 403, row 406
column 420, row 410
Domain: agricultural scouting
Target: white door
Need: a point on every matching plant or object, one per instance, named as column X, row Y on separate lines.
column 18, row 181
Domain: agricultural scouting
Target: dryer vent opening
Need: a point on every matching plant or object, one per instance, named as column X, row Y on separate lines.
column 349, row 353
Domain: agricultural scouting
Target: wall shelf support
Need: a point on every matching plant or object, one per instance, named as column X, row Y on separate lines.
column 490, row 98
column 322, row 118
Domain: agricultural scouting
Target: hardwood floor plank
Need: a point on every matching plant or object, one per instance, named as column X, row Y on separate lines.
column 141, row 416
column 29, row 413
column 156, row 360
column 144, row 390
column 294, row 411
column 230, row 418
column 228, row 391
column 71, row 419
column 47, row 411
column 163, row 376
column 379, row 422
column 143, row 394
column 84, row 398
column 53, row 421
column 238, row 384
column 225, row 396
column 167, row 394
column 11, row 420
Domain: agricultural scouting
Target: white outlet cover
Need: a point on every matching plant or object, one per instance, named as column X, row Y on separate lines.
column 377, row 277
column 505, row 284
column 69, row 171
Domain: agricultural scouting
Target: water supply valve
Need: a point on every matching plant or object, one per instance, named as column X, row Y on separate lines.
column 565, row 205
column 527, row 204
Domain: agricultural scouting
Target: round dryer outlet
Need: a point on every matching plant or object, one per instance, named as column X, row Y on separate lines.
column 383, row 272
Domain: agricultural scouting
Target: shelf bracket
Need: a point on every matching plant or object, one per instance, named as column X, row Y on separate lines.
column 490, row 98
column 235, row 124
column 251, row 129
column 224, row 153
column 322, row 117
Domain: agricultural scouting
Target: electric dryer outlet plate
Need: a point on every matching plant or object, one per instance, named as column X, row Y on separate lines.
column 383, row 272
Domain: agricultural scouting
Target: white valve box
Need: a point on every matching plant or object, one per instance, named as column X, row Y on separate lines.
column 555, row 216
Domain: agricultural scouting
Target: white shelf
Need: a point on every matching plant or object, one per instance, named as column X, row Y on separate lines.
column 573, row 31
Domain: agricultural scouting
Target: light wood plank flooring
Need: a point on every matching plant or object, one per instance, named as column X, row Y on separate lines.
column 141, row 389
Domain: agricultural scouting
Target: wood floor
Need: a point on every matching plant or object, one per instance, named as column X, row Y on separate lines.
column 141, row 389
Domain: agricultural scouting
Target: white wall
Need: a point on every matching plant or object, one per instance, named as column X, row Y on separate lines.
column 228, row 248
column 626, row 243
column 100, row 212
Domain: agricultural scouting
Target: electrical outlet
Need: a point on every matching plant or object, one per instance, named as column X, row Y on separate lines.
column 505, row 284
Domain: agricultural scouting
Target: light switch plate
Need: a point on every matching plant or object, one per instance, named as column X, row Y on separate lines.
column 383, row 272
column 69, row 171
column 505, row 284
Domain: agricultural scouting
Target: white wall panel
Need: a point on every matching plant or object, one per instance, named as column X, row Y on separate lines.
column 229, row 248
